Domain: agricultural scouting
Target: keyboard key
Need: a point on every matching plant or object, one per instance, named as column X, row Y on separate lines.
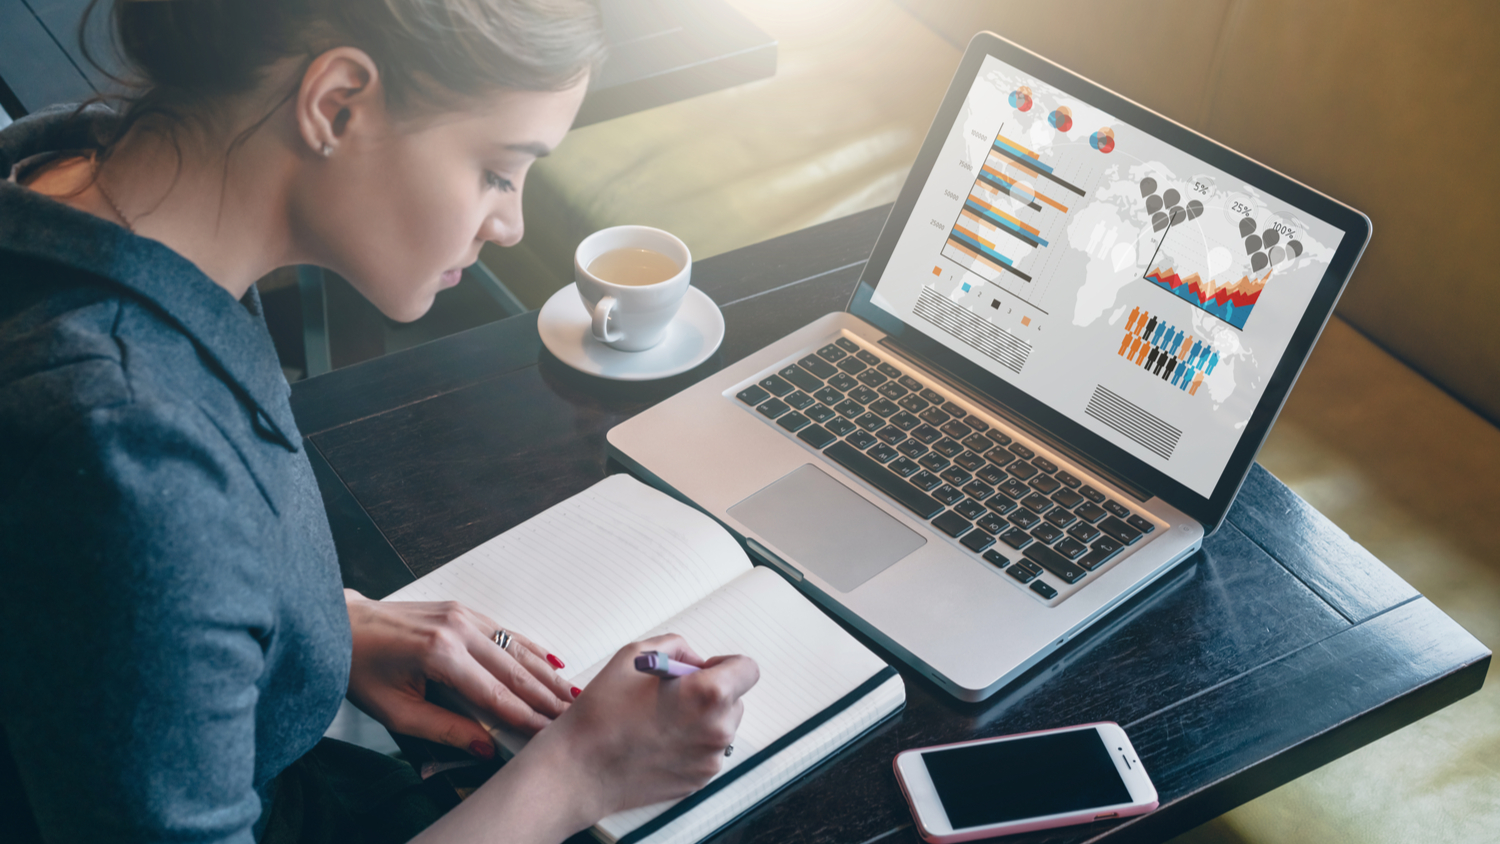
column 867, row 357
column 794, row 421
column 976, row 424
column 1068, row 480
column 926, row 481
column 955, row 476
column 1000, row 504
column 912, row 449
column 839, row 425
column 1000, row 457
column 816, row 436
column 969, row 509
column 1066, row 570
column 927, row 434
column 934, row 416
column 871, row 378
column 915, row 404
column 891, row 435
column 863, row 395
column 936, row 462
column 888, row 370
column 881, row 453
column 1071, row 548
column 1119, row 531
column 853, row 366
column 870, row 422
column 883, row 407
column 1017, row 539
column 906, row 468
column 1140, row 524
column 947, row 494
column 829, row 395
column 1060, row 517
column 817, row 366
column 775, row 385
column 947, row 447
column 905, row 421
column 991, row 523
column 957, row 430
column 1046, row 533
column 842, row 383
column 911, row 383
column 1024, row 471
column 977, row 541
column 860, row 439
column 1045, row 484
column 1116, row 508
column 952, row 524
column 933, row 396
column 1099, row 554
column 1024, row 518
column 752, row 395
column 820, row 413
column 831, row 353
column 884, row 480
column 1067, row 498
column 995, row 558
column 847, row 345
column 1041, row 588
column 978, row 491
column 799, row 400
column 772, row 408
column 1014, row 488
column 849, row 409
column 1091, row 494
column 955, row 409
column 1083, row 532
column 1022, row 451
column 892, row 390
column 991, row 475
column 1037, row 503
column 1090, row 512
column 1044, row 464
column 802, row 378
column 978, row 444
column 999, row 438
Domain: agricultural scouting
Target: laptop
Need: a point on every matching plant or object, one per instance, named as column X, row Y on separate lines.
column 1073, row 334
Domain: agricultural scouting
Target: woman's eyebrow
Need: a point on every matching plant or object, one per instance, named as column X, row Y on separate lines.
column 534, row 148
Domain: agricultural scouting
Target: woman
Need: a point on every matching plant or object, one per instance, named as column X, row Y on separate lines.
column 175, row 638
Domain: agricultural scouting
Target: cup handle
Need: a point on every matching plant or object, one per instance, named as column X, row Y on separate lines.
column 601, row 321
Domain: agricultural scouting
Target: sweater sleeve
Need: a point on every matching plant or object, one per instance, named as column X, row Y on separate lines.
column 135, row 617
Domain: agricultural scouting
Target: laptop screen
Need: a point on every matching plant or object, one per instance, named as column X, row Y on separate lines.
column 1140, row 291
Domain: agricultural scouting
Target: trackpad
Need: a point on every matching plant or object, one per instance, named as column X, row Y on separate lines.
column 826, row 528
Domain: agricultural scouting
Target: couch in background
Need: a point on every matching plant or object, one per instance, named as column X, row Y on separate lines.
column 1389, row 106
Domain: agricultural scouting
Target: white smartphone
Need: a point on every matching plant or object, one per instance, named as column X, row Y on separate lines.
column 1024, row 782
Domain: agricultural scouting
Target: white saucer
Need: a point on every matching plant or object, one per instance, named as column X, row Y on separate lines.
column 694, row 334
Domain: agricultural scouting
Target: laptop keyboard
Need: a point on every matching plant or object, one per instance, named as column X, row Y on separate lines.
column 968, row 478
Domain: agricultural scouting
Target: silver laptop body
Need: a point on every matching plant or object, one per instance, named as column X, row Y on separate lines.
column 794, row 480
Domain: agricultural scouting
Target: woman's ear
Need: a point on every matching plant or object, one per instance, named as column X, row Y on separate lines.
column 340, row 95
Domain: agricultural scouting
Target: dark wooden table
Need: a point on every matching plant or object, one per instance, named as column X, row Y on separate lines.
column 1279, row 647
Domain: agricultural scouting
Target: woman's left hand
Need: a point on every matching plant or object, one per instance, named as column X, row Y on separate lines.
column 400, row 647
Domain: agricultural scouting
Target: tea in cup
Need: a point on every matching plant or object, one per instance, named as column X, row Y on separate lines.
column 632, row 280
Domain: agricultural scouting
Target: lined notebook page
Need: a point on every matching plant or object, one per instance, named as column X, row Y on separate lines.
column 807, row 663
column 592, row 573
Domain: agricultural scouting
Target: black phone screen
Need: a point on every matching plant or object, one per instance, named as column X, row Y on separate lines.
column 1004, row 781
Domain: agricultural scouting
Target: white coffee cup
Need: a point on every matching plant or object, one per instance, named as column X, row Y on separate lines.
column 631, row 318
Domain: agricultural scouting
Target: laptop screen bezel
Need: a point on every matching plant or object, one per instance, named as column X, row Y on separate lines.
column 1073, row 436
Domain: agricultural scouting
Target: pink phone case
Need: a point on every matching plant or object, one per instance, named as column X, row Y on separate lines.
column 1053, row 822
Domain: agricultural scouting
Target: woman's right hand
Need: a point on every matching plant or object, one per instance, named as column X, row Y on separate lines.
column 641, row 740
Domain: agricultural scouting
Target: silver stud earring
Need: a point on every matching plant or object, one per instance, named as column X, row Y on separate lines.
column 327, row 150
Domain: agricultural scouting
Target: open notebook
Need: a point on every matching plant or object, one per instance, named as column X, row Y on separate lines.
column 620, row 562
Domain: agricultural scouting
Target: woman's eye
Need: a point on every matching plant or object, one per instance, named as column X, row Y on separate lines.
column 498, row 182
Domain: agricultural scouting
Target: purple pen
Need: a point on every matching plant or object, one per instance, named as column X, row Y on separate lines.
column 661, row 665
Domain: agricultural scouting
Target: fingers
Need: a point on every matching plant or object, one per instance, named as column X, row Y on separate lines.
column 671, row 644
column 738, row 673
column 415, row 717
column 541, row 687
column 535, row 660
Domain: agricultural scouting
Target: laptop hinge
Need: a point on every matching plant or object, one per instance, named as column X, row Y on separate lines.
column 1031, row 428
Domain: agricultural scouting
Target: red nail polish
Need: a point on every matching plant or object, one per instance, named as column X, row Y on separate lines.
column 577, row 691
column 482, row 750
column 556, row 663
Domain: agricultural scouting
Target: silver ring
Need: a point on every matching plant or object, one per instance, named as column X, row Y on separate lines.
column 501, row 638
column 728, row 751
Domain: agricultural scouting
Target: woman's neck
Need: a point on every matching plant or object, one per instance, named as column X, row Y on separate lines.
column 224, row 212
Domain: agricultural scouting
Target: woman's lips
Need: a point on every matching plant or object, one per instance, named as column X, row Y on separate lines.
column 451, row 277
